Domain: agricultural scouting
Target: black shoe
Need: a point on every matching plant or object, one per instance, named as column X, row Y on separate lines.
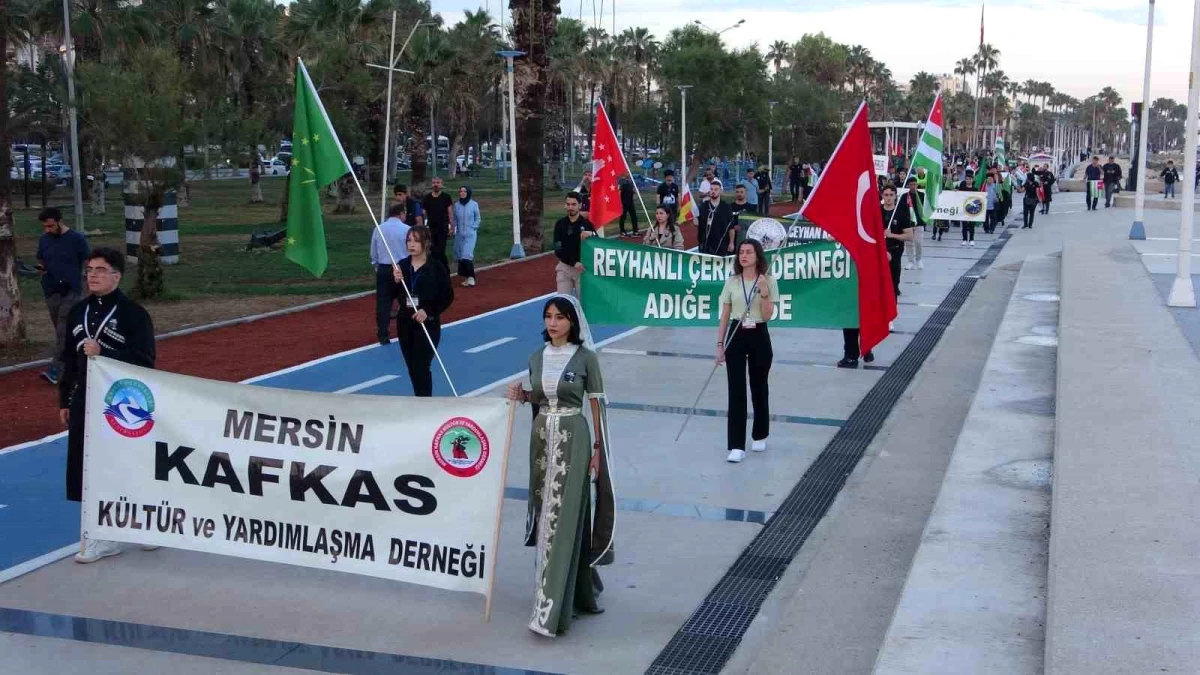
column 384, row 340
column 869, row 357
column 847, row 363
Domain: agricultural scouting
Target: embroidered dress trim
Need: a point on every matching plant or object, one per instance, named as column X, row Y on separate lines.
column 553, row 485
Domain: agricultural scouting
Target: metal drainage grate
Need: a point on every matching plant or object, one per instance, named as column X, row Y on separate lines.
column 709, row 637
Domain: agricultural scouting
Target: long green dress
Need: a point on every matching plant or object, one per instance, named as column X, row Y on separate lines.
column 559, row 521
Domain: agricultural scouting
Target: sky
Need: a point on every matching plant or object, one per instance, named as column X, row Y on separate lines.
column 1079, row 46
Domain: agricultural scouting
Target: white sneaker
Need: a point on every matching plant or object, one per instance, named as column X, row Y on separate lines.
column 96, row 549
column 920, row 264
column 964, row 243
column 908, row 266
column 972, row 244
column 736, row 456
column 470, row 281
column 759, row 446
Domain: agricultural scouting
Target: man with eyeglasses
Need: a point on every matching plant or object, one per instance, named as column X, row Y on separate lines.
column 109, row 324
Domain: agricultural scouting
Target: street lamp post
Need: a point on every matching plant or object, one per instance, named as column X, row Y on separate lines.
column 718, row 32
column 389, row 165
column 1138, row 230
column 771, row 140
column 518, row 251
column 683, row 131
column 76, row 170
column 1182, row 292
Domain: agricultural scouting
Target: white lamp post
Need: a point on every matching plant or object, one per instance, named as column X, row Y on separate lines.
column 771, row 140
column 1138, row 230
column 683, row 132
column 1182, row 292
column 76, row 170
column 518, row 251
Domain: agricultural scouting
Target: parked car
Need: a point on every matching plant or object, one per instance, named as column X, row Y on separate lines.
column 277, row 167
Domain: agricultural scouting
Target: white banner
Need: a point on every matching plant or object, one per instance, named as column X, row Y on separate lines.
column 968, row 206
column 400, row 488
column 881, row 165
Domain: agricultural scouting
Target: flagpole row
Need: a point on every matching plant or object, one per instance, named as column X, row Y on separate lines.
column 407, row 292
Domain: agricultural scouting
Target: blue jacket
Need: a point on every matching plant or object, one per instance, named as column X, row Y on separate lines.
column 63, row 256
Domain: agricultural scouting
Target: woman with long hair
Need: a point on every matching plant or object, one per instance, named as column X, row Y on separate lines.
column 564, row 375
column 429, row 295
column 744, row 343
column 664, row 233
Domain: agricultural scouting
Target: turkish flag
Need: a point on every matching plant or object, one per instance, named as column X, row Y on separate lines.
column 845, row 203
column 608, row 164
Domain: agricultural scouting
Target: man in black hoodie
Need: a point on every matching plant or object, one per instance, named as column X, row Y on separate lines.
column 108, row 324
column 1112, row 180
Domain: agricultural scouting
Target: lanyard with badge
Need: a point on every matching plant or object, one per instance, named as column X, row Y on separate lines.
column 747, row 322
column 414, row 302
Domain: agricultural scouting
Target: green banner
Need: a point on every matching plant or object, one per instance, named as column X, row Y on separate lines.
column 630, row 284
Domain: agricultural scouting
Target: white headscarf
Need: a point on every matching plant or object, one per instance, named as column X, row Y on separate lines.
column 585, row 331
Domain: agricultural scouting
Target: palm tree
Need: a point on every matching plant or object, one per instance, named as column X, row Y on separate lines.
column 777, row 53
column 534, row 26
column 858, row 65
column 985, row 59
column 964, row 67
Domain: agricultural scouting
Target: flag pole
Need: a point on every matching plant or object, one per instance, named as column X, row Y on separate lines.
column 908, row 173
column 628, row 171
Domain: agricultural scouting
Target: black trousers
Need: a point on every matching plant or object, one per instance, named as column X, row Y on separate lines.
column 795, row 191
column 439, row 234
column 75, row 448
column 385, row 297
column 968, row 230
column 989, row 221
column 1028, row 212
column 894, row 256
column 466, row 269
column 418, row 355
column 749, row 349
column 627, row 208
column 850, row 344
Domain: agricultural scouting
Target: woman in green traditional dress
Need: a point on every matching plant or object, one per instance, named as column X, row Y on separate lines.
column 563, row 460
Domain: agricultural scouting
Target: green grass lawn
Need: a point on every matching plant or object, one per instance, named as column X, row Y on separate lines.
column 214, row 231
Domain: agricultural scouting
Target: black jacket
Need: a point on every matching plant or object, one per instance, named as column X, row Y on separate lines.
column 1112, row 173
column 1170, row 176
column 1092, row 172
column 431, row 288
column 715, row 227
column 127, row 335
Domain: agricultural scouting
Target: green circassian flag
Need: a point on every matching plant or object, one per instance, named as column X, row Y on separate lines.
column 317, row 161
column 929, row 157
column 1000, row 158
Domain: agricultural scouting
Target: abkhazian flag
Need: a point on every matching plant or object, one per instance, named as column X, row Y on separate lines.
column 687, row 206
column 1000, row 159
column 929, row 157
column 317, row 160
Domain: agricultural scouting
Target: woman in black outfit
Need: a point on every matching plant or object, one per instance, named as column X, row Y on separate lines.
column 429, row 294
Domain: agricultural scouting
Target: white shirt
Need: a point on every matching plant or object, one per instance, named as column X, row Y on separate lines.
column 554, row 363
column 704, row 186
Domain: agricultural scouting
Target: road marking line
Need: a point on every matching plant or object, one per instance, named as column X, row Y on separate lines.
column 366, row 385
column 40, row 561
column 488, row 345
column 1168, row 255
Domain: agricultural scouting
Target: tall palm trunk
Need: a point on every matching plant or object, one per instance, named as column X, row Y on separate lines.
column 417, row 120
column 12, row 325
column 534, row 27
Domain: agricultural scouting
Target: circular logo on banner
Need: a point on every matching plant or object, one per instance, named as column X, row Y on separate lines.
column 972, row 206
column 129, row 408
column 460, row 447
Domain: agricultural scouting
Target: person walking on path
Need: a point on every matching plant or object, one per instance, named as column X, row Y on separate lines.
column 665, row 233
column 716, row 227
column 256, row 195
column 993, row 202
column 1170, row 177
column 668, row 193
column 467, row 220
column 895, row 235
column 1091, row 174
column 61, row 253
column 795, row 178
column 439, row 213
column 1046, row 182
column 567, row 456
column 628, row 192
column 429, row 296
column 1029, row 201
column 743, row 343
column 1112, row 180
column 387, row 240
column 765, row 185
column 913, row 203
column 569, row 233
column 108, row 324
column 750, row 182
